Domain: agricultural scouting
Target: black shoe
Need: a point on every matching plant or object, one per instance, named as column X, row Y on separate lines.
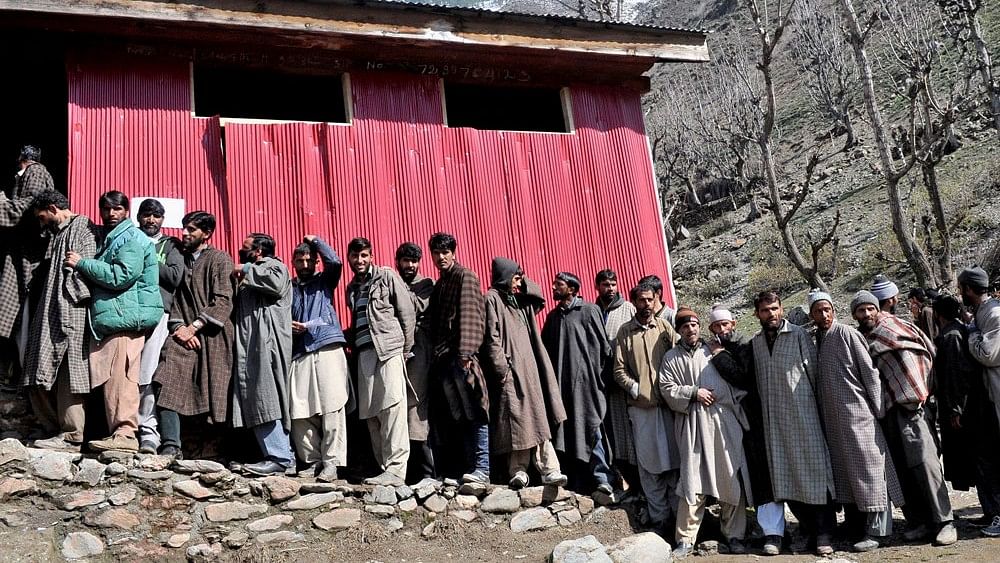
column 265, row 468
column 173, row 451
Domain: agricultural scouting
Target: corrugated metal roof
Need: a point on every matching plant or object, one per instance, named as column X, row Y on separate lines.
column 579, row 202
column 477, row 11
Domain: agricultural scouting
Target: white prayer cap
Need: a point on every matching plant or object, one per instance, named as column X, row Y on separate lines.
column 719, row 313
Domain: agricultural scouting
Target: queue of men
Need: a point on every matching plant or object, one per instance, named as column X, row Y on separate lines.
column 600, row 397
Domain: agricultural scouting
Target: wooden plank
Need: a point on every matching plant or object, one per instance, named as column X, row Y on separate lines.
column 329, row 25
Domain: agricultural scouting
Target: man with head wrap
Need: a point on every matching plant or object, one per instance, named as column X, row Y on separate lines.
column 528, row 403
column 903, row 356
column 578, row 348
column 850, row 398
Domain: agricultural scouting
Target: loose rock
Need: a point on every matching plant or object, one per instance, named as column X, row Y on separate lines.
column 12, row 450
column 640, row 548
column 280, row 488
column 284, row 536
column 403, row 492
column 9, row 486
column 155, row 462
column 236, row 540
column 466, row 502
column 312, row 501
column 122, row 458
column 80, row 545
column 476, row 489
column 197, row 466
column 393, row 525
column 123, row 496
column 270, row 523
column 83, row 498
column 115, row 468
column 502, row 501
column 151, row 475
column 338, row 519
column 585, row 504
column 533, row 519
column 408, row 505
column 53, row 466
column 531, row 497
column 119, row 518
column 226, row 511
column 583, row 550
column 178, row 540
column 426, row 488
column 464, row 515
column 194, row 489
column 204, row 552
column 567, row 518
column 436, row 503
column 91, row 472
column 319, row 487
column 380, row 510
column 382, row 494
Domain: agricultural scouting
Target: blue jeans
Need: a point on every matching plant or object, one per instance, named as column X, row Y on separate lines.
column 599, row 461
column 477, row 446
column 273, row 442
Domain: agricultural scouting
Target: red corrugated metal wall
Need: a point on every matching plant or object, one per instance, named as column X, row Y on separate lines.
column 578, row 202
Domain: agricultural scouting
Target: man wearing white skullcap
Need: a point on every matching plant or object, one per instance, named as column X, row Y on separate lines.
column 851, row 403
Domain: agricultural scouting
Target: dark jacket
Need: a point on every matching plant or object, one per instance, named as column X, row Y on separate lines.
column 961, row 393
column 312, row 305
column 171, row 261
column 736, row 366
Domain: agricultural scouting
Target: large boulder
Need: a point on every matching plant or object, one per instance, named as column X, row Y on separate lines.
column 502, row 501
column 582, row 550
column 646, row 547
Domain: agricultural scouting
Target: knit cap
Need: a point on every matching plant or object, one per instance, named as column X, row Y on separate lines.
column 863, row 298
column 683, row 315
column 883, row 288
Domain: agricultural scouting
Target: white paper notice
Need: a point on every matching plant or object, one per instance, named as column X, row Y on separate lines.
column 174, row 210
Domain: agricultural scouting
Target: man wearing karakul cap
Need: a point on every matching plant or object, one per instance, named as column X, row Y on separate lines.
column 904, row 356
column 850, row 398
column 886, row 292
column 578, row 347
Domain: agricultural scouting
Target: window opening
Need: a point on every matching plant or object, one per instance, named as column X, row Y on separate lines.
column 253, row 93
column 505, row 108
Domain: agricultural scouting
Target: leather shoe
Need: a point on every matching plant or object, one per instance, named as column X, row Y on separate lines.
column 772, row 545
column 264, row 468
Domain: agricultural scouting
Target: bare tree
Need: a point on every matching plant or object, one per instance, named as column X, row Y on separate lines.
column 769, row 28
column 962, row 21
column 821, row 54
column 858, row 36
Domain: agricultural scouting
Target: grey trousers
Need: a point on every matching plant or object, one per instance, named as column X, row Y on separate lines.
column 915, row 455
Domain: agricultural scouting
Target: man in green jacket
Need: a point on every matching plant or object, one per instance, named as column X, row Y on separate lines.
column 124, row 280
